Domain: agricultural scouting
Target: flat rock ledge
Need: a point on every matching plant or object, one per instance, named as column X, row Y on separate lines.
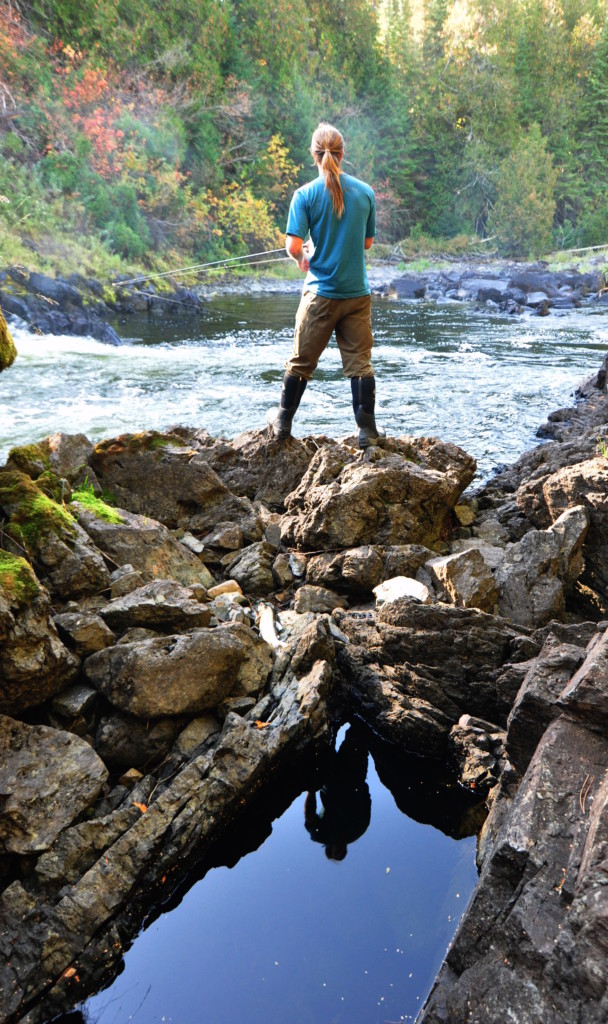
column 166, row 656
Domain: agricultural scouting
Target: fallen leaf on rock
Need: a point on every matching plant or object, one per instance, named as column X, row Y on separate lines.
column 262, row 725
column 70, row 972
column 142, row 807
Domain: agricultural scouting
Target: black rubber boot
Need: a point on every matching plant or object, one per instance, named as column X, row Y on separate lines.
column 364, row 404
column 280, row 419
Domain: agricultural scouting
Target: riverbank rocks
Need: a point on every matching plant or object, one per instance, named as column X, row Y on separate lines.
column 47, row 779
column 402, row 493
column 34, row 663
column 465, row 637
column 181, row 673
column 160, row 476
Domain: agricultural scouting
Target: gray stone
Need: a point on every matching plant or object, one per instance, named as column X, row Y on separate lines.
column 124, row 580
column 147, row 546
column 317, row 599
column 466, row 579
column 586, row 694
column 47, row 779
column 252, row 569
column 75, row 702
column 181, row 674
column 162, row 605
column 84, row 632
column 197, row 732
column 126, row 742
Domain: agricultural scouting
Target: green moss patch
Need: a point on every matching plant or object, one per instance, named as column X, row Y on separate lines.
column 97, row 506
column 32, row 515
column 17, row 579
column 8, row 352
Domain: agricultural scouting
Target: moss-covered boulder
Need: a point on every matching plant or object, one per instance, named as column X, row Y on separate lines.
column 43, row 531
column 8, row 352
column 34, row 664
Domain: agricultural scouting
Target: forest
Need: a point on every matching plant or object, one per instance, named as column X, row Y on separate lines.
column 141, row 134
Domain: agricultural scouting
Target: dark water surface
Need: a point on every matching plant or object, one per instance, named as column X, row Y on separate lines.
column 481, row 380
column 288, row 935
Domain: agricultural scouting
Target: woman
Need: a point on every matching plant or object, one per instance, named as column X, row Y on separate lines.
column 339, row 213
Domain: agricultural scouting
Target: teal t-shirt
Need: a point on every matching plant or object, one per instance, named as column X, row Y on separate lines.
column 337, row 267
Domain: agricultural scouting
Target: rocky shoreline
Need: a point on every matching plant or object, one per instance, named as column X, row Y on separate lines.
column 85, row 306
column 183, row 617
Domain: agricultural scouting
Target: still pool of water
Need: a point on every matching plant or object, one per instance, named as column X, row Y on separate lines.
column 286, row 934
column 482, row 381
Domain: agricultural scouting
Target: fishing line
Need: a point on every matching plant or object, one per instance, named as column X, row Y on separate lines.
column 197, row 266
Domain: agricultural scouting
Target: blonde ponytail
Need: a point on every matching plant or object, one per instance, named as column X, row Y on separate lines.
column 327, row 147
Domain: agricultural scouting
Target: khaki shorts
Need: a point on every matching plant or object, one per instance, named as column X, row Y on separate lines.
column 316, row 320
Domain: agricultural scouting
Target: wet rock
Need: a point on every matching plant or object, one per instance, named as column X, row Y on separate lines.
column 162, row 605
column 126, row 742
column 531, row 943
column 466, row 579
column 252, row 569
column 84, row 632
column 478, row 750
column 48, row 778
column 536, row 704
column 34, row 663
column 540, row 568
column 317, row 599
column 160, row 476
column 162, row 676
column 145, row 545
column 399, row 494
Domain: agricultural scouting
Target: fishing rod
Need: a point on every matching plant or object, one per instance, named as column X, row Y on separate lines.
column 199, row 266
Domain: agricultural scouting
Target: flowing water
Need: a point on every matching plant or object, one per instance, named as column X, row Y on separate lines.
column 482, row 381
column 284, row 933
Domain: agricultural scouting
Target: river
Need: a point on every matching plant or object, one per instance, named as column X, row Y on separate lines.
column 482, row 381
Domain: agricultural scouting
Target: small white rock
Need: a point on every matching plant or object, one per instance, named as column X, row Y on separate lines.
column 401, row 586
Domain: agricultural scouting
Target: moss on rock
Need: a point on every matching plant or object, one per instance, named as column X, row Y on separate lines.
column 32, row 515
column 8, row 352
column 30, row 458
column 17, row 580
column 97, row 506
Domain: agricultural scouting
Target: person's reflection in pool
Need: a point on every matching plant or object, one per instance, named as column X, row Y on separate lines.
column 346, row 803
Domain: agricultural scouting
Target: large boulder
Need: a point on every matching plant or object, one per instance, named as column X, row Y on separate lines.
column 401, row 493
column 47, row 779
column 539, row 570
column 159, row 475
column 181, row 674
column 162, row 605
column 34, row 664
column 585, row 484
column 257, row 466
column 146, row 545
